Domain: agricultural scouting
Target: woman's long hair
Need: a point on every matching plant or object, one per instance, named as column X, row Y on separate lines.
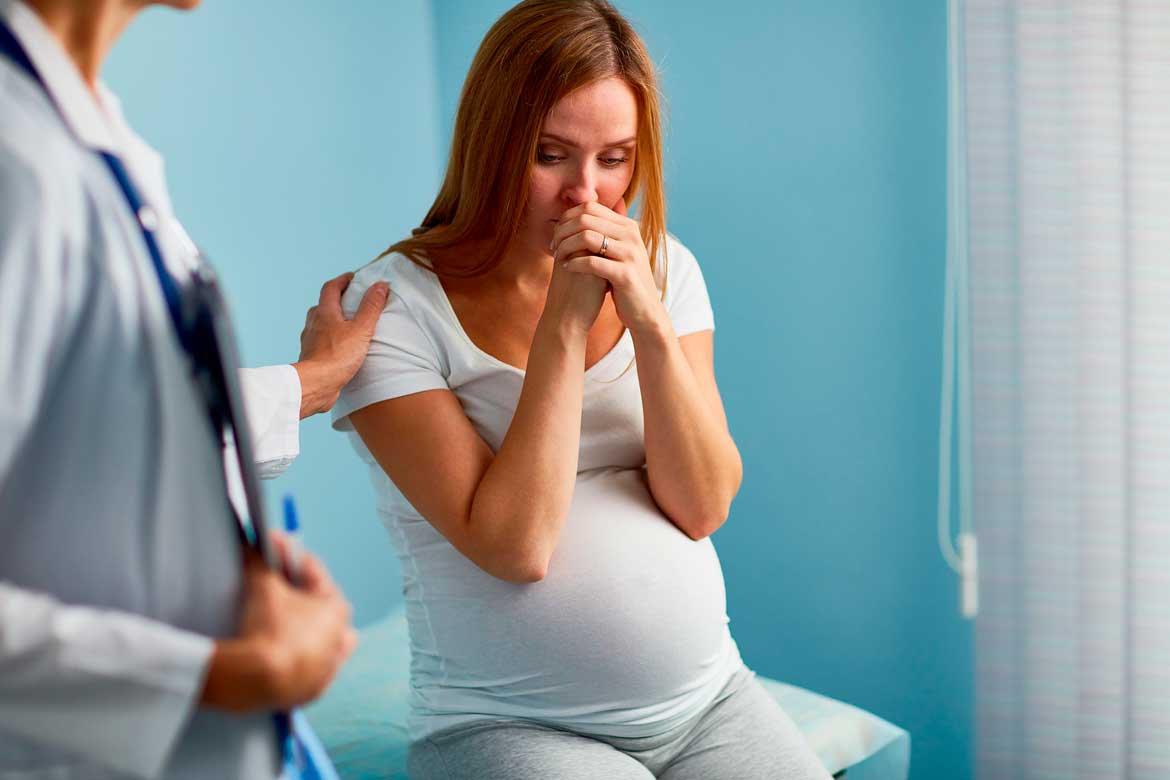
column 534, row 55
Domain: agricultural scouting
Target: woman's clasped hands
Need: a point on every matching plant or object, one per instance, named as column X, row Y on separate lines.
column 605, row 243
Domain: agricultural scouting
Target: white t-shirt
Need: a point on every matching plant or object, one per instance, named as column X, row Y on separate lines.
column 627, row 634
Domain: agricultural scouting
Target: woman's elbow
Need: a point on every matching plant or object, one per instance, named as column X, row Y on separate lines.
column 518, row 561
column 704, row 517
column 519, row 570
column 700, row 524
column 529, row 573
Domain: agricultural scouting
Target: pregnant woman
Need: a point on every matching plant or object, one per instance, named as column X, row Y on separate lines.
column 549, row 449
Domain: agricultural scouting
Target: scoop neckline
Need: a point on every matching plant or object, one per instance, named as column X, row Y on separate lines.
column 449, row 312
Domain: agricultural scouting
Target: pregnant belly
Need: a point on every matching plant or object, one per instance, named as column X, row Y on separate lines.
column 631, row 615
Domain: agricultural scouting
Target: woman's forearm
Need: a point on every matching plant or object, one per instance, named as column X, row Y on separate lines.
column 522, row 501
column 692, row 464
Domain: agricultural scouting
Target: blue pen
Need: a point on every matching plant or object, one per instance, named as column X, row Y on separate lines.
column 295, row 551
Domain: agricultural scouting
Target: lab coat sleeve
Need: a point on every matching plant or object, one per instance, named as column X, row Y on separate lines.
column 77, row 678
column 272, row 399
column 82, row 679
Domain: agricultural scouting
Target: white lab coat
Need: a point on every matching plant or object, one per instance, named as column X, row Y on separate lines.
column 119, row 561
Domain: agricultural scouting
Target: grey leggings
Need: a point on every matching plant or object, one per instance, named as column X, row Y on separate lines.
column 742, row 735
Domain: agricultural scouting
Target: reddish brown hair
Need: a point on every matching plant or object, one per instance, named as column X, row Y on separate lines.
column 534, row 55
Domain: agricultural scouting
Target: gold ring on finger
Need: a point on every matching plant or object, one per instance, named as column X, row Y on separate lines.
column 604, row 246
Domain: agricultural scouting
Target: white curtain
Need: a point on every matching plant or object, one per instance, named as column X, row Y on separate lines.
column 1066, row 118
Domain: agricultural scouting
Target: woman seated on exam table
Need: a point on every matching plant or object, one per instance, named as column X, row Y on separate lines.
column 539, row 411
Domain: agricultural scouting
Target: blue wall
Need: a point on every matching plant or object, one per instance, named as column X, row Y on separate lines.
column 299, row 143
column 806, row 169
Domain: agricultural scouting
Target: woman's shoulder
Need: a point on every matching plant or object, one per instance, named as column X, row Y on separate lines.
column 416, row 316
column 407, row 280
column 685, row 293
column 676, row 262
column 677, row 251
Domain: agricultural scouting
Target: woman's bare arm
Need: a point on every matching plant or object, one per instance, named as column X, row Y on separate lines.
column 692, row 464
column 503, row 511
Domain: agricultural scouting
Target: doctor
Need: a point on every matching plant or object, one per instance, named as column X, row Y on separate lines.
column 136, row 640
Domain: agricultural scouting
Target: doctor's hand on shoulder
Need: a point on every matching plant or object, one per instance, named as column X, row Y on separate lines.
column 333, row 347
column 291, row 640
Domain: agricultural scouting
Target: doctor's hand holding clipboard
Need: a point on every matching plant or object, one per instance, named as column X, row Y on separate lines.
column 291, row 639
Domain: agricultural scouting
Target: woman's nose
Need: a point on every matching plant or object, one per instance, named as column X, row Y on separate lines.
column 581, row 188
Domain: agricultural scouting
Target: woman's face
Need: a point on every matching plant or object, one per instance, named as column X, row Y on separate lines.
column 585, row 153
